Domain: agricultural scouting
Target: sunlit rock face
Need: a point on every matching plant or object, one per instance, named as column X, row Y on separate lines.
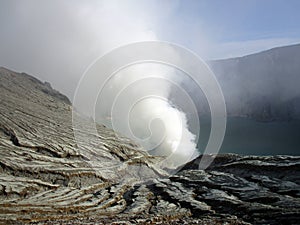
column 48, row 178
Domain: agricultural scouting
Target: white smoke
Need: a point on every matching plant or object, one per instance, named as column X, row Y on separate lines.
column 59, row 39
column 135, row 102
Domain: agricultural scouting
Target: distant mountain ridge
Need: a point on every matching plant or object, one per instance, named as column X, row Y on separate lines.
column 264, row 85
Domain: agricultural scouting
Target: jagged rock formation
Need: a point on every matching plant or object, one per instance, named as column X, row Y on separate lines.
column 45, row 178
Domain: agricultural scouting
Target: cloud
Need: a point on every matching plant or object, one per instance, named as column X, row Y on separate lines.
column 57, row 40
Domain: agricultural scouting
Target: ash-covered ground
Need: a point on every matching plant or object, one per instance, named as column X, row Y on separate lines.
column 46, row 179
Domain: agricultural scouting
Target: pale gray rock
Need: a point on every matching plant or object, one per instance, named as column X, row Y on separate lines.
column 46, row 179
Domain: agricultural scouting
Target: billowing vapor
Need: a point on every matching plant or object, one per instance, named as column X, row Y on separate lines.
column 136, row 102
column 66, row 44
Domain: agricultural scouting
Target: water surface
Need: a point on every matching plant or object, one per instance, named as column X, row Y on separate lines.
column 247, row 136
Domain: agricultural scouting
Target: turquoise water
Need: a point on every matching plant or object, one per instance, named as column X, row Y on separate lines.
column 247, row 136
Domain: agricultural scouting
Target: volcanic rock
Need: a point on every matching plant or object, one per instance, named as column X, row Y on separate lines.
column 46, row 178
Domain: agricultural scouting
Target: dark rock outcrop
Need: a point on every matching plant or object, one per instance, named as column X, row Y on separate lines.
column 45, row 179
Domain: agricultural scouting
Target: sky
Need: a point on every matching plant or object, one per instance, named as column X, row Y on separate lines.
column 57, row 40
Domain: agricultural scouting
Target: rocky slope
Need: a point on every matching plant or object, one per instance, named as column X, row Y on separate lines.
column 45, row 179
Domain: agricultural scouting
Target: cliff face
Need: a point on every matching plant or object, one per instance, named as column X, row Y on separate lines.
column 45, row 178
column 264, row 86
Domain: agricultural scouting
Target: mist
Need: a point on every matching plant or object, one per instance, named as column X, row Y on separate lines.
column 57, row 40
column 136, row 102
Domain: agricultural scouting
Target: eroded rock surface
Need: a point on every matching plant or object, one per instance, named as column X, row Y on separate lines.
column 46, row 178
